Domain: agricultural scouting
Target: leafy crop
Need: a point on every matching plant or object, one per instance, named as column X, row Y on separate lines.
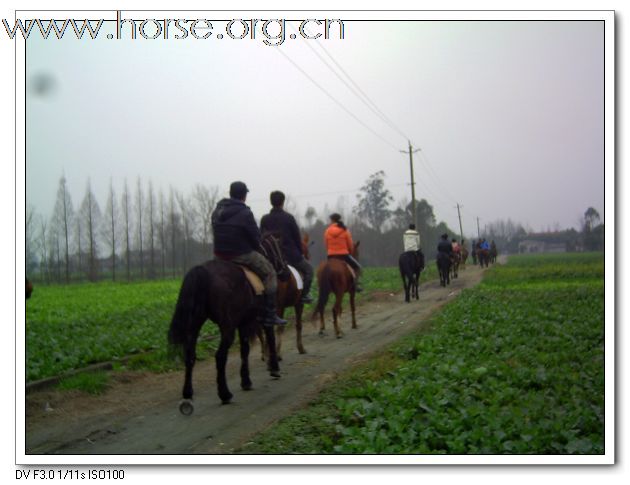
column 70, row 327
column 514, row 366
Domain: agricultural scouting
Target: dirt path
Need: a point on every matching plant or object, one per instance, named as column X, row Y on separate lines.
column 139, row 414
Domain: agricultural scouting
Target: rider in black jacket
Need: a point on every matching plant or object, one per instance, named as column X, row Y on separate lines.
column 237, row 239
column 445, row 246
column 282, row 225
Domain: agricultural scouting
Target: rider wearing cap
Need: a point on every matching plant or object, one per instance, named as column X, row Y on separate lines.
column 282, row 225
column 237, row 239
column 444, row 246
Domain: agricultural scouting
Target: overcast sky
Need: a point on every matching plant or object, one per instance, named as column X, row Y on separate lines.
column 509, row 117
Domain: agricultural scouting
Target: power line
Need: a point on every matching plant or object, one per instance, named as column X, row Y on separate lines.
column 356, row 90
column 338, row 103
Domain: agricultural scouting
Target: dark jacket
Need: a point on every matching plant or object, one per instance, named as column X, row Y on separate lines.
column 234, row 228
column 445, row 247
column 282, row 225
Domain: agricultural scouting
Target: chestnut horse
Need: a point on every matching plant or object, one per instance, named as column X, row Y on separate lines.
column 289, row 296
column 464, row 256
column 334, row 276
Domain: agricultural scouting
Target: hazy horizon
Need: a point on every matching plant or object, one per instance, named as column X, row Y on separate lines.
column 509, row 116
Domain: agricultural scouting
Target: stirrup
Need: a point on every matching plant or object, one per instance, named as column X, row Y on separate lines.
column 306, row 299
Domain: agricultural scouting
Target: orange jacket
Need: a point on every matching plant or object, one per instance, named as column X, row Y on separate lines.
column 338, row 241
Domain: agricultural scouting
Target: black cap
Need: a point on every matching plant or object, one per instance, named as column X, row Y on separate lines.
column 238, row 190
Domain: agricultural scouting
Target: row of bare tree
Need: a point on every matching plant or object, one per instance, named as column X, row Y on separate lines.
column 141, row 234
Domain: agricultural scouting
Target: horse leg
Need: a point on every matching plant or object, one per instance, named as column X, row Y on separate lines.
column 321, row 324
column 190, row 356
column 416, row 279
column 263, row 344
column 246, row 383
column 299, row 309
column 352, row 308
column 272, row 363
column 337, row 314
column 279, row 333
column 227, row 337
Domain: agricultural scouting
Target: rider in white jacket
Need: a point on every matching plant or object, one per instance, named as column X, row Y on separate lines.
column 411, row 239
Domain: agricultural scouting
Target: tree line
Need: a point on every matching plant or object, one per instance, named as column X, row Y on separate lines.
column 144, row 233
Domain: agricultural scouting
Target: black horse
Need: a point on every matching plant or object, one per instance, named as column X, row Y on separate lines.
column 443, row 261
column 411, row 264
column 219, row 291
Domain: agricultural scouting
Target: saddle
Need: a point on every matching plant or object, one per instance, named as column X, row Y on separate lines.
column 257, row 284
column 254, row 280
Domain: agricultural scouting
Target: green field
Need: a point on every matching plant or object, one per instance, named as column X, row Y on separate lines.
column 513, row 366
column 69, row 327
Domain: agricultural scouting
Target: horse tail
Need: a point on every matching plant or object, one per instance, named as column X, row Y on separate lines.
column 191, row 301
column 324, row 291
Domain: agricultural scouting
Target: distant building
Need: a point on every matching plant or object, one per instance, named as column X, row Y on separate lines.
column 550, row 242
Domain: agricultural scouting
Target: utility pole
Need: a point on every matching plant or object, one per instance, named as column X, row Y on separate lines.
column 413, row 183
column 478, row 235
column 459, row 215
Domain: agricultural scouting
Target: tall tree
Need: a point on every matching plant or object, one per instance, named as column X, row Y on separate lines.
column 173, row 228
column 63, row 214
column 204, row 199
column 187, row 216
column 591, row 218
column 162, row 230
column 43, row 245
column 31, row 239
column 139, row 203
column 125, row 202
column 373, row 201
column 111, row 213
column 151, row 222
column 91, row 214
column 310, row 215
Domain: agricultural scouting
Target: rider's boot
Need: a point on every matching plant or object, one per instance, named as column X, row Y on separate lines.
column 357, row 285
column 306, row 298
column 271, row 317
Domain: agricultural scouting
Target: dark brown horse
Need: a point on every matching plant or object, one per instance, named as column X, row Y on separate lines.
column 219, row 291
column 443, row 261
column 335, row 276
column 411, row 264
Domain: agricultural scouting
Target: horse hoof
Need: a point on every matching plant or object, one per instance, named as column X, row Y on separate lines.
column 227, row 398
column 247, row 387
column 321, row 333
column 275, row 374
column 302, row 350
column 186, row 407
